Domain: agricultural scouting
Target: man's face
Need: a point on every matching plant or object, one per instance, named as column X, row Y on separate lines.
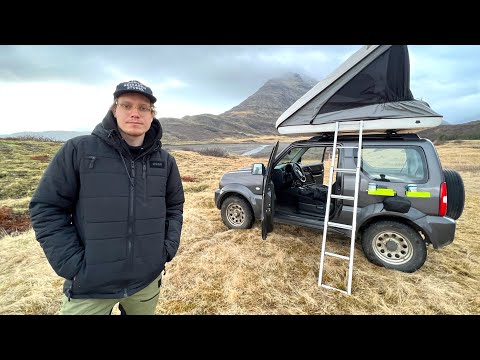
column 134, row 115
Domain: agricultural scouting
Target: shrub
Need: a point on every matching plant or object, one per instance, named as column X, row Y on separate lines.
column 188, row 178
column 34, row 138
column 217, row 152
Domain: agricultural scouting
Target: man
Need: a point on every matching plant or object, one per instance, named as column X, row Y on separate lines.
column 108, row 211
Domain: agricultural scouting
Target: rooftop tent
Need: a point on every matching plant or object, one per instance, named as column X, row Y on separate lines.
column 372, row 85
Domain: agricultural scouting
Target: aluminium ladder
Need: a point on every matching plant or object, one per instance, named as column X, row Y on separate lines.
column 330, row 196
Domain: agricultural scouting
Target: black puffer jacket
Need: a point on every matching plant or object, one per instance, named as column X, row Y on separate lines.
column 108, row 222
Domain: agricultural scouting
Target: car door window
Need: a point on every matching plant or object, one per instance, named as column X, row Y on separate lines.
column 394, row 164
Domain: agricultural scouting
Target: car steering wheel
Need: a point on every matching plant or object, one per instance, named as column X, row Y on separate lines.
column 298, row 171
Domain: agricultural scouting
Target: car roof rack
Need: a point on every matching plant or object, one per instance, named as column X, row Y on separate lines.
column 388, row 135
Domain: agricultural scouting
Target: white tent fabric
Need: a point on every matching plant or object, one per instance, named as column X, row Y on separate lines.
column 372, row 85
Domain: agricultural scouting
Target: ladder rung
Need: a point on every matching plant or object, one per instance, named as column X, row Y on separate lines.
column 337, row 256
column 349, row 171
column 343, row 197
column 333, row 288
column 340, row 226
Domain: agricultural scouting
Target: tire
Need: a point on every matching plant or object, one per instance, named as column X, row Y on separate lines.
column 237, row 213
column 455, row 194
column 394, row 245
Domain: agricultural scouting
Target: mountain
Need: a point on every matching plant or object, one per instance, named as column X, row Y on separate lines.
column 254, row 116
column 469, row 130
column 270, row 101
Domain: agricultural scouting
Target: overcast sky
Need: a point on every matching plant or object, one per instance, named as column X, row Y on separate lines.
column 62, row 87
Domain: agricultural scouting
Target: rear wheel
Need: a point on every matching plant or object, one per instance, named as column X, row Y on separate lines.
column 237, row 213
column 394, row 245
column 455, row 194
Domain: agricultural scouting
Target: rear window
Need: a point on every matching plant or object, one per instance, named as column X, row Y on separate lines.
column 395, row 164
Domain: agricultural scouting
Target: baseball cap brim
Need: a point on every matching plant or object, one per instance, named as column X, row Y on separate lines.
column 118, row 93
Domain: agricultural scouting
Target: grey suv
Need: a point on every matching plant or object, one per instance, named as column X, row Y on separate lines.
column 394, row 228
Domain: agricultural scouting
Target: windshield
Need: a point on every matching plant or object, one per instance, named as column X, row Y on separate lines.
column 292, row 155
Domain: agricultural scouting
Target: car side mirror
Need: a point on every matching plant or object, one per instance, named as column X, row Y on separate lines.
column 258, row 169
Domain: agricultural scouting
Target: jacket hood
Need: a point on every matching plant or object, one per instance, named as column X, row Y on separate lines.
column 108, row 131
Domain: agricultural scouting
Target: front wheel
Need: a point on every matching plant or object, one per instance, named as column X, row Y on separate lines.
column 394, row 245
column 237, row 213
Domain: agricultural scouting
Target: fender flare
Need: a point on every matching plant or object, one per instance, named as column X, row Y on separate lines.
column 375, row 212
column 232, row 189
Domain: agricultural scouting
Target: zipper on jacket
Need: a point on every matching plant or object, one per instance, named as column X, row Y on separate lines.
column 92, row 161
column 132, row 164
column 132, row 182
column 131, row 219
column 144, row 176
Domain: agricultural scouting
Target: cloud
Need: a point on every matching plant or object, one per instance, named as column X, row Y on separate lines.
column 448, row 78
column 192, row 79
column 39, row 106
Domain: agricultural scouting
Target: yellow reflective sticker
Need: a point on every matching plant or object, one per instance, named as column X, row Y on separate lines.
column 382, row 192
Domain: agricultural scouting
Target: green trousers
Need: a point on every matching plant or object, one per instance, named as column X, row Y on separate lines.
column 143, row 302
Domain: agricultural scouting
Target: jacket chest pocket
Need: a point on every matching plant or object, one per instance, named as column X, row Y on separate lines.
column 101, row 164
column 102, row 176
column 156, row 179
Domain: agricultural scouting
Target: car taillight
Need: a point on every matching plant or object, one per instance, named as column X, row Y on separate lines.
column 442, row 209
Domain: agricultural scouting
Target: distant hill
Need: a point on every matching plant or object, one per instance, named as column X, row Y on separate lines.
column 53, row 135
column 465, row 131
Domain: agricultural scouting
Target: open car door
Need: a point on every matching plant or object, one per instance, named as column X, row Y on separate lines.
column 268, row 196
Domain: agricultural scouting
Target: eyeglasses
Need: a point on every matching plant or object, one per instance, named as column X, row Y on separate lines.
column 143, row 109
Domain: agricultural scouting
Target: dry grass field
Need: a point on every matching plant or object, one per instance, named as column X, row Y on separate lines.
column 221, row 271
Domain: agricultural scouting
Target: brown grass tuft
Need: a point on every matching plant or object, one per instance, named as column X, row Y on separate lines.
column 11, row 222
column 43, row 158
column 188, row 178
